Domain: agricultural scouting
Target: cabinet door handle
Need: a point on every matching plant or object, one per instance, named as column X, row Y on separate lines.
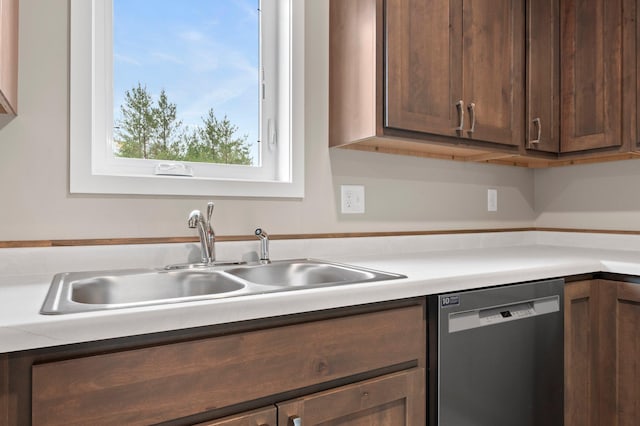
column 295, row 421
column 538, row 124
column 460, row 107
column 472, row 114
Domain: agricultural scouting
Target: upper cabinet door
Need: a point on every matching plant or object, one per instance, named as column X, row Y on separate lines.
column 592, row 74
column 455, row 68
column 424, row 65
column 493, row 69
column 543, row 76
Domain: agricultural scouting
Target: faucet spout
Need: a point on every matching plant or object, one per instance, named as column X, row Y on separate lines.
column 205, row 233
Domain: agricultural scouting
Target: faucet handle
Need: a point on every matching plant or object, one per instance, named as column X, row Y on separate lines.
column 264, row 245
column 194, row 218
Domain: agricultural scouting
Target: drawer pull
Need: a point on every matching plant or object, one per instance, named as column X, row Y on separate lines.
column 295, row 421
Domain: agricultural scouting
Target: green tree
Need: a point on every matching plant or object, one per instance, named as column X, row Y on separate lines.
column 217, row 143
column 137, row 125
column 165, row 145
column 153, row 131
column 190, row 145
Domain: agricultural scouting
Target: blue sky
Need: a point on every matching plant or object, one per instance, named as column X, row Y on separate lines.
column 204, row 53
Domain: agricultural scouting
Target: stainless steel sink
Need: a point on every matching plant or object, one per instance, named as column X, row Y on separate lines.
column 103, row 290
column 305, row 273
column 91, row 291
column 150, row 286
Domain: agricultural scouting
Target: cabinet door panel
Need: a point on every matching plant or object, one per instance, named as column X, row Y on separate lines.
column 4, row 390
column 394, row 400
column 580, row 355
column 591, row 63
column 262, row 417
column 543, row 76
column 602, row 353
column 423, row 45
column 493, row 58
column 628, row 355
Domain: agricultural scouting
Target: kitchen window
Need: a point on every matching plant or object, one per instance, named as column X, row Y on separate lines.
column 108, row 153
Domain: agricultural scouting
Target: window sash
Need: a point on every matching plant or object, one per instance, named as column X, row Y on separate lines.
column 94, row 168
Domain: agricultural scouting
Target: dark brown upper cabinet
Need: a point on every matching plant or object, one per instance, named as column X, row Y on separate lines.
column 8, row 56
column 535, row 83
column 429, row 78
column 591, row 63
column 636, row 100
column 455, row 68
column 580, row 76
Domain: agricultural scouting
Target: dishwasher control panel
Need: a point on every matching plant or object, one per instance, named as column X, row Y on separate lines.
column 466, row 320
column 492, row 316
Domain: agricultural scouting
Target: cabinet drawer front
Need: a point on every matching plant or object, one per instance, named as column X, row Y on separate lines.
column 155, row 384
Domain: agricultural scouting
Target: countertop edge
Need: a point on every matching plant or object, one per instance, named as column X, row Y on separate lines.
column 485, row 268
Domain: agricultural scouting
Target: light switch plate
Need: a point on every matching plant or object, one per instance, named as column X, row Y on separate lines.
column 492, row 200
column 352, row 199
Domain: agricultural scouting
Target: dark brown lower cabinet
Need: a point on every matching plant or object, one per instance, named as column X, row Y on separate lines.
column 602, row 353
column 4, row 390
column 354, row 364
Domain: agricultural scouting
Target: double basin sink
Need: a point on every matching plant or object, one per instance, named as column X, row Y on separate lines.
column 72, row 292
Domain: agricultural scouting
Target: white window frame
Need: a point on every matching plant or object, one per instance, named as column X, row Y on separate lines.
column 93, row 169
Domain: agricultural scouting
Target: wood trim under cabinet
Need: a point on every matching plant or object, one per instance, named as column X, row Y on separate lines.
column 170, row 240
column 228, row 238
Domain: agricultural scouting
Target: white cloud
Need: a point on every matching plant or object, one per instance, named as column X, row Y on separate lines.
column 215, row 94
column 126, row 59
column 166, row 57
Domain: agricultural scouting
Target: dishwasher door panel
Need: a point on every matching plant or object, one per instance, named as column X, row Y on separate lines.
column 503, row 363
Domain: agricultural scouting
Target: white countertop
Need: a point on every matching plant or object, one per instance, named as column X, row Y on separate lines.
column 428, row 272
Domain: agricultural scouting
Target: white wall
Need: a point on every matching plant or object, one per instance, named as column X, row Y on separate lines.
column 402, row 193
column 593, row 196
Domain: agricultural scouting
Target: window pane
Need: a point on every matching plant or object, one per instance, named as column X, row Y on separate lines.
column 186, row 80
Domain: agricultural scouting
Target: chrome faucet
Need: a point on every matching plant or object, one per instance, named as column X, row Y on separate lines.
column 205, row 232
column 264, row 245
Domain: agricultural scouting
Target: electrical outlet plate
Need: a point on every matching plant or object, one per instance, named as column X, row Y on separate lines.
column 352, row 199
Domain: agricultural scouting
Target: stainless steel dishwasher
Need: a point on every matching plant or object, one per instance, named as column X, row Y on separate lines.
column 496, row 356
